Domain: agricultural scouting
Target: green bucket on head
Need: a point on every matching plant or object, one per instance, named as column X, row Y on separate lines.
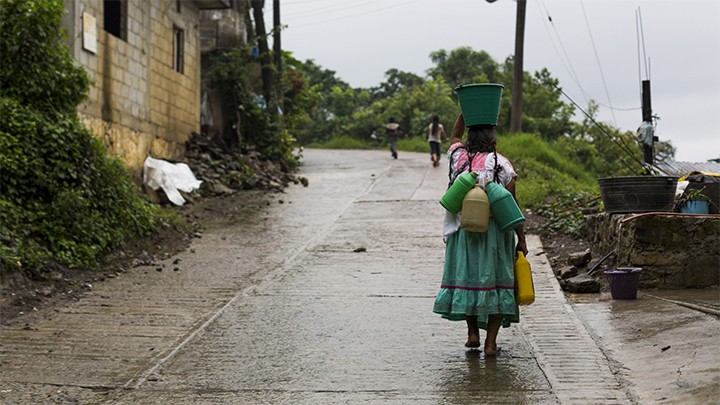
column 480, row 102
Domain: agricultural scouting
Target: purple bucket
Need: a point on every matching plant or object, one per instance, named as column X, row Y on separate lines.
column 623, row 282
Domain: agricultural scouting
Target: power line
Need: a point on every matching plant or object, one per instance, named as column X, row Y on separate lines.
column 353, row 15
column 642, row 34
column 572, row 72
column 597, row 59
column 624, row 147
column 637, row 34
column 557, row 52
column 335, row 7
column 609, row 107
column 302, row 2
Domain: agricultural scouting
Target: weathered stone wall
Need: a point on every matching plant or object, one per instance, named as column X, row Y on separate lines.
column 674, row 251
column 223, row 29
column 139, row 104
column 220, row 30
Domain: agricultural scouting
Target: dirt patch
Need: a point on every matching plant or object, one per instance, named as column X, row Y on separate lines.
column 21, row 294
column 558, row 247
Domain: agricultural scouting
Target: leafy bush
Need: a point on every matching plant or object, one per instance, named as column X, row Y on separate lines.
column 63, row 198
column 233, row 71
column 36, row 67
column 565, row 214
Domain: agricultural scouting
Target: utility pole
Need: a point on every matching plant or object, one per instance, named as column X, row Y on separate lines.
column 647, row 130
column 266, row 68
column 517, row 89
column 277, row 50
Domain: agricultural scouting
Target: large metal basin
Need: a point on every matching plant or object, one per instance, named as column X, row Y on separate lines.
column 638, row 193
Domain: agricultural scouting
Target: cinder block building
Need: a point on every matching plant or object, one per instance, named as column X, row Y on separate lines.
column 144, row 58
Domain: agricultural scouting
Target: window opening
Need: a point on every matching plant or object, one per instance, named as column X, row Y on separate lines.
column 178, row 49
column 115, row 15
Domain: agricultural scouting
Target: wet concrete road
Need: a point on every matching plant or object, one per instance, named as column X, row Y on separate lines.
column 274, row 305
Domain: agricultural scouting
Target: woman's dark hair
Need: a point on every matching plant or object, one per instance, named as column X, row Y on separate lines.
column 435, row 124
column 481, row 138
column 391, row 120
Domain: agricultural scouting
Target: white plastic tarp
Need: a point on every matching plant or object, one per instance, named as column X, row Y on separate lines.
column 171, row 177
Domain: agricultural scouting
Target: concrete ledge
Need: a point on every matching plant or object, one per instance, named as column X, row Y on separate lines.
column 674, row 250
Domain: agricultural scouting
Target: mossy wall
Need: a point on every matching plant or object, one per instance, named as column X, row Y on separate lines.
column 674, row 251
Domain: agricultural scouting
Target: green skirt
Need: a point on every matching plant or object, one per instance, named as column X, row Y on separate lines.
column 478, row 278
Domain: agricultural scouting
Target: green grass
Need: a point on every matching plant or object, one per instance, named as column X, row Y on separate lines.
column 544, row 175
column 344, row 142
column 414, row 144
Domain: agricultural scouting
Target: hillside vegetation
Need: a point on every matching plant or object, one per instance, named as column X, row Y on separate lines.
column 64, row 200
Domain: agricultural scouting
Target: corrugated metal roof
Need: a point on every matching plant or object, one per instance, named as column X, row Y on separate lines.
column 680, row 169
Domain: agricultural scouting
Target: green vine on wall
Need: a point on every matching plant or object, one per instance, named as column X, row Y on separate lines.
column 63, row 199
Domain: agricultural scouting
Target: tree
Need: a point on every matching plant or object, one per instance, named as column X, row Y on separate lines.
column 316, row 75
column 395, row 80
column 413, row 107
column 464, row 65
column 601, row 148
column 266, row 62
column 544, row 112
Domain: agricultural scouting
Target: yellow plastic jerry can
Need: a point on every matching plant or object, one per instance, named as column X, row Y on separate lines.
column 524, row 291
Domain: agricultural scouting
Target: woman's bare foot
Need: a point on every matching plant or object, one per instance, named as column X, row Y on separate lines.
column 473, row 340
column 473, row 332
column 491, row 350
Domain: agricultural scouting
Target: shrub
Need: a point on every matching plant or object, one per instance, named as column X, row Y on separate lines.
column 36, row 67
column 63, row 198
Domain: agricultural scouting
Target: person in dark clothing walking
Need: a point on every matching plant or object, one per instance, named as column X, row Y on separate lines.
column 436, row 134
column 393, row 130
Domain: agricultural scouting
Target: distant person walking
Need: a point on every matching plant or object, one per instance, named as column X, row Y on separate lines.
column 478, row 278
column 393, row 130
column 436, row 134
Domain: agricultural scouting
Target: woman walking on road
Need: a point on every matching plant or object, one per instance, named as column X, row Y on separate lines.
column 436, row 133
column 478, row 277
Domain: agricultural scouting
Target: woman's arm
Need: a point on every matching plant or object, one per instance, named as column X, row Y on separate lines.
column 520, row 230
column 458, row 129
column 443, row 135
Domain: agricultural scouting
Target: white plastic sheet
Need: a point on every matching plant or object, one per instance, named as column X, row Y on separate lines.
column 681, row 186
column 171, row 177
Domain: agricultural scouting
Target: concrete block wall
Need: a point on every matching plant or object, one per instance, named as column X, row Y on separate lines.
column 139, row 104
column 223, row 29
column 674, row 251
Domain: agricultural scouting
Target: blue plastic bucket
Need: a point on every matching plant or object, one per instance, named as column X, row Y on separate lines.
column 696, row 207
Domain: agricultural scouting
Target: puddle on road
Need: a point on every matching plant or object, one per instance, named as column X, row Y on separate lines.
column 499, row 379
column 668, row 350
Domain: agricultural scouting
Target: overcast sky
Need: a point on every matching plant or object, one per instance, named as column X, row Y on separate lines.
column 591, row 46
